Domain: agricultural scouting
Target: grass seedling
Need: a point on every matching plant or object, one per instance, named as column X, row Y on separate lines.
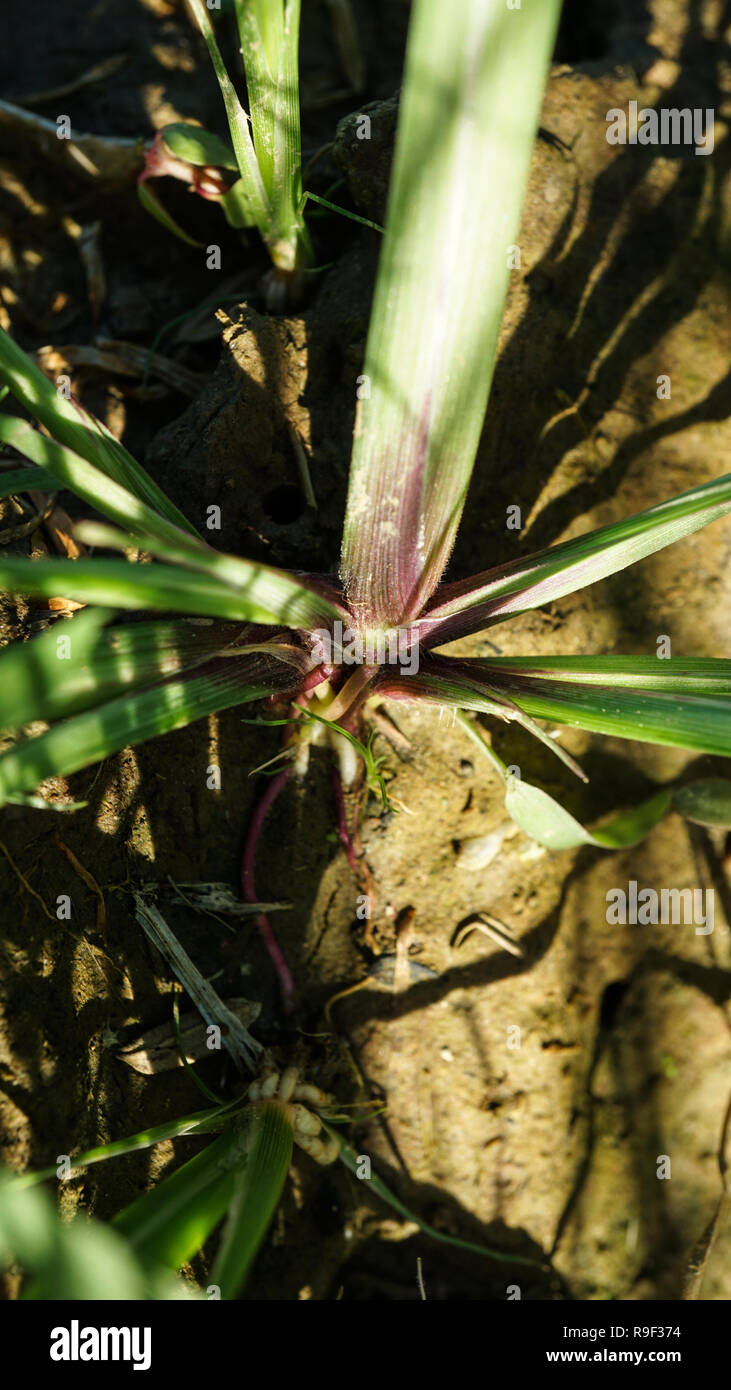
column 329, row 644
column 257, row 179
column 237, row 1179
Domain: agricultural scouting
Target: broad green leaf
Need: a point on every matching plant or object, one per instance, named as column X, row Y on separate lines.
column 170, row 1223
column 473, row 604
column 469, row 112
column 257, row 1190
column 74, row 427
column 195, row 145
column 706, row 801
column 546, row 821
column 153, row 205
column 131, row 719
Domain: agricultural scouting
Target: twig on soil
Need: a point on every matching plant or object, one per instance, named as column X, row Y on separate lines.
column 245, row 1050
column 25, row 882
column 89, row 880
column 98, row 73
column 492, row 927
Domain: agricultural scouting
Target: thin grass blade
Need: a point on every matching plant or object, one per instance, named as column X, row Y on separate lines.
column 202, row 1122
column 694, row 721
column 133, row 718
column 252, row 191
column 693, row 675
column 75, row 664
column 282, row 596
column 117, row 584
column 74, row 427
column 474, row 604
column 257, row 1190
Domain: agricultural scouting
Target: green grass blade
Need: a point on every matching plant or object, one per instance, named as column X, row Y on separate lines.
column 260, row 32
column 287, row 177
column 472, row 604
column 469, row 113
column 131, row 719
column 155, row 208
column 694, row 675
column 257, row 1190
column 18, row 480
column 700, row 722
column 269, row 34
column 202, row 1122
column 352, row 1161
column 80, row 431
column 253, row 191
column 74, row 664
column 119, row 584
column 259, row 593
column 170, row 1223
column 280, row 597
column 70, row 470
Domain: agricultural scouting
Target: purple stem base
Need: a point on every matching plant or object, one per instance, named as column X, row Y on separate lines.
column 256, row 824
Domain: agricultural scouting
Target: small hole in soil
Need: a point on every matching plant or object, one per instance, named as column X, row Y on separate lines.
column 284, row 504
column 583, row 35
column 611, row 1002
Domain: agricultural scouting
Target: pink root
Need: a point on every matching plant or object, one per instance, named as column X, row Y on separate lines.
column 276, row 955
column 342, row 822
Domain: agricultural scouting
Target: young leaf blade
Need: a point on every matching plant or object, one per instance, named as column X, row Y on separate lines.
column 75, row 664
column 473, row 604
column 73, row 427
column 700, row 722
column 547, row 821
column 253, row 191
column 133, row 718
column 695, row 675
column 456, row 191
column 257, row 1190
